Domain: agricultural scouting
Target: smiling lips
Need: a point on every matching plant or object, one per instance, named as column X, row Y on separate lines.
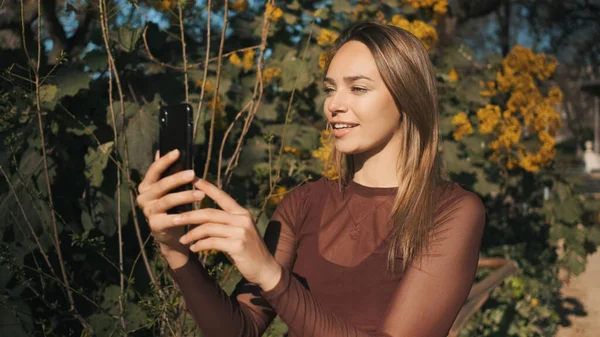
column 341, row 129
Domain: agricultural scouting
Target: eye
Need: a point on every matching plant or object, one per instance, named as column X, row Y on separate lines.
column 359, row 89
column 328, row 90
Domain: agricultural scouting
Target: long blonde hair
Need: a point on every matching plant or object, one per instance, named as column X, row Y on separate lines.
column 408, row 74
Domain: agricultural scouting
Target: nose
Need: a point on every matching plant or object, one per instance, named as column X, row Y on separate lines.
column 336, row 103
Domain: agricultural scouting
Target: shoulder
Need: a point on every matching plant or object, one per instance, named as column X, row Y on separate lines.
column 299, row 195
column 461, row 208
column 305, row 190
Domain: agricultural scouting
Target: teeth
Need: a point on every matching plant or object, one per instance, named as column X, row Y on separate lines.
column 342, row 126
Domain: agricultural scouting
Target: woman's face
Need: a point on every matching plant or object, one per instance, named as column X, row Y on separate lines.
column 358, row 105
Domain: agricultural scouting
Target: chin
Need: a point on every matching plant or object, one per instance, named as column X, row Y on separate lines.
column 347, row 149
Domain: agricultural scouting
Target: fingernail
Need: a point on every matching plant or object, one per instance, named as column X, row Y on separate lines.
column 198, row 194
column 188, row 174
column 177, row 219
column 183, row 240
column 174, row 153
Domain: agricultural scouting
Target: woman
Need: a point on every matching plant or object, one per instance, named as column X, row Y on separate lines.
column 389, row 249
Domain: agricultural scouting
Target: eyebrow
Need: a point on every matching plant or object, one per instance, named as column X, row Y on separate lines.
column 348, row 79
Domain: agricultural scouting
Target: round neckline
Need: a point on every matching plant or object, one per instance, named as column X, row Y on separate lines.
column 353, row 186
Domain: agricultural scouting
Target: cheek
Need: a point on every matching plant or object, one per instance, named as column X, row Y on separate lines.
column 378, row 112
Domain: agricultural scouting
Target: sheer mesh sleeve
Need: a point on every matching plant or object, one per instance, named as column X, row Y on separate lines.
column 244, row 313
column 429, row 295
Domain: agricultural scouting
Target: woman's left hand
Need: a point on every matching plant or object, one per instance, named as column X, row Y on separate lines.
column 232, row 231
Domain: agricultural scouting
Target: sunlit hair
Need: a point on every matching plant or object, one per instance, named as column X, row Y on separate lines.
column 408, row 74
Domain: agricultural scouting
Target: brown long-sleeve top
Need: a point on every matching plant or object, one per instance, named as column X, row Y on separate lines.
column 333, row 247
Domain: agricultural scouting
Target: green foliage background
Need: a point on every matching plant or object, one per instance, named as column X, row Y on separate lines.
column 528, row 214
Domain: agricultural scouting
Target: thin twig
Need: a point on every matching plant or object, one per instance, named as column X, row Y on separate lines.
column 256, row 96
column 273, row 182
column 104, row 25
column 225, row 136
column 37, row 241
column 38, row 102
column 152, row 58
column 193, row 65
column 117, row 163
column 185, row 67
column 216, row 95
column 199, row 110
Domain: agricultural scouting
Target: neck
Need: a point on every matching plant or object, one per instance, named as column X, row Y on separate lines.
column 378, row 167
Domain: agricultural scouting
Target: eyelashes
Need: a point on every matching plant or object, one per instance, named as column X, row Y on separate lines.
column 361, row 90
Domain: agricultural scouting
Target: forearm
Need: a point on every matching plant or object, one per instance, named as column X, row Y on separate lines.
column 304, row 315
column 214, row 311
column 176, row 256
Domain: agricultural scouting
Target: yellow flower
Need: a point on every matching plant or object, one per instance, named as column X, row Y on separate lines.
column 424, row 32
column 218, row 104
column 165, row 5
column 292, row 150
column 526, row 107
column 489, row 117
column 273, row 13
column 326, row 37
column 555, row 95
column 439, row 6
column 357, row 11
column 239, row 5
column 235, row 60
column 490, row 89
column 249, row 59
column 323, row 61
column 534, row 302
column 270, row 74
column 277, row 196
column 323, row 153
column 463, row 125
column 208, row 87
column 453, row 75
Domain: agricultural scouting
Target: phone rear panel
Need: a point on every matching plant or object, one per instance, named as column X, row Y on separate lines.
column 176, row 128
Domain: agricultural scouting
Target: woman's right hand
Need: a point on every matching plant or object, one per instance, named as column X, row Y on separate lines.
column 154, row 199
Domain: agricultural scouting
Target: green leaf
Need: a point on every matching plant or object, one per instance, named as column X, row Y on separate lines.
column 341, row 6
column 130, row 110
column 126, row 37
column 103, row 213
column 97, row 60
column 575, row 263
column 70, row 81
column 568, row 210
column 293, row 5
column 95, row 163
column 593, row 235
column 142, row 133
column 87, row 130
column 255, row 152
column 290, row 19
column 66, row 81
column 267, row 112
column 48, row 93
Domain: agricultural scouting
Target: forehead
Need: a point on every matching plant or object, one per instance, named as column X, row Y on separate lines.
column 351, row 59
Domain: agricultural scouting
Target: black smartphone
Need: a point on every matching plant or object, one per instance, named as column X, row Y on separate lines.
column 176, row 125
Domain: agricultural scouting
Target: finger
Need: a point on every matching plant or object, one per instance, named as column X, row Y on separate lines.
column 226, row 245
column 211, row 229
column 163, row 186
column 201, row 216
column 160, row 222
column 157, row 168
column 171, row 200
column 223, row 199
column 156, row 155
